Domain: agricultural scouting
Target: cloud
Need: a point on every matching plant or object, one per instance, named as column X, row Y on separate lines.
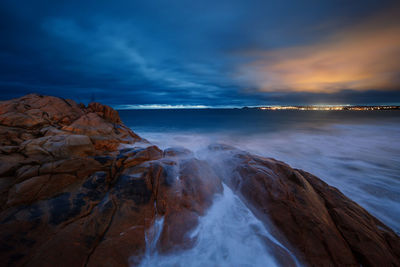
column 362, row 57
column 173, row 52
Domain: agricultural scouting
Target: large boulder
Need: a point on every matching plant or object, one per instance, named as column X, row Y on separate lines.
column 327, row 228
column 157, row 190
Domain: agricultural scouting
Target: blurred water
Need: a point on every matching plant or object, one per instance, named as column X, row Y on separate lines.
column 228, row 235
column 357, row 152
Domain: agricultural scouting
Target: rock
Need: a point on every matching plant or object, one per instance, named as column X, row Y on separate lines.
column 8, row 149
column 82, row 237
column 371, row 242
column 79, row 145
column 321, row 223
column 175, row 191
column 105, row 143
column 9, row 164
column 177, row 152
column 5, row 184
column 90, row 124
column 36, row 110
column 11, row 136
column 27, row 191
column 79, row 188
column 105, row 112
column 187, row 193
column 59, row 146
column 75, row 193
column 25, row 172
column 71, row 165
column 141, row 155
column 15, row 119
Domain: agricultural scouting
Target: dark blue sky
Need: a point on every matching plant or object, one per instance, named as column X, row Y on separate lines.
column 210, row 52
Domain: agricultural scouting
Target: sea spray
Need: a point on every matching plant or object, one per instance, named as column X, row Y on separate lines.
column 228, row 235
column 360, row 160
column 151, row 237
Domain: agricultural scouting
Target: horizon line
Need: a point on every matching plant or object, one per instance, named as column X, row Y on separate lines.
column 168, row 106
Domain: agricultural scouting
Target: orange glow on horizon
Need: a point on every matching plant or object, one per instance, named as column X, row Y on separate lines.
column 363, row 57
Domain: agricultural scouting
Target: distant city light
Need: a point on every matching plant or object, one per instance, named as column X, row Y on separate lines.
column 330, row 107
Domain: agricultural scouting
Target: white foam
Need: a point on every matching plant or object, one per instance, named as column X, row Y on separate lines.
column 361, row 160
column 228, row 235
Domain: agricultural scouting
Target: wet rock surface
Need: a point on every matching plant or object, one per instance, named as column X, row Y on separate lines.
column 324, row 226
column 78, row 188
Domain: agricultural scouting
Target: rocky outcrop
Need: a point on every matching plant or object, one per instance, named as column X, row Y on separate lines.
column 105, row 112
column 326, row 227
column 78, row 188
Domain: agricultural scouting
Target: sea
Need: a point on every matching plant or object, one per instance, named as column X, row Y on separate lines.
column 357, row 152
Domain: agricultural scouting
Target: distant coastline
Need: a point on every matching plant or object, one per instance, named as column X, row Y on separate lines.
column 305, row 107
column 330, row 107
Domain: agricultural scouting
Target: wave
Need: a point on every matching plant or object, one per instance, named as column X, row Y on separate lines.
column 361, row 160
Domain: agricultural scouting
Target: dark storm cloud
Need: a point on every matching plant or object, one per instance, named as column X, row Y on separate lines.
column 163, row 52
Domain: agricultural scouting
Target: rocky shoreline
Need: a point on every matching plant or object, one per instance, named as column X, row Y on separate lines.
column 79, row 188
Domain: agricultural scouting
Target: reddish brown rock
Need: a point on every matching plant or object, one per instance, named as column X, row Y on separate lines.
column 105, row 143
column 25, row 172
column 194, row 185
column 140, row 155
column 90, row 124
column 58, row 146
column 372, row 242
column 27, row 191
column 78, row 182
column 10, row 163
column 177, row 152
column 105, row 112
column 327, row 228
column 173, row 190
column 36, row 110
column 78, row 188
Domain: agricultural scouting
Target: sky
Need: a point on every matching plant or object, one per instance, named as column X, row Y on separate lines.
column 209, row 53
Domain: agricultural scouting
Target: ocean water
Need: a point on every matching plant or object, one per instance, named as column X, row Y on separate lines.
column 228, row 235
column 356, row 151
